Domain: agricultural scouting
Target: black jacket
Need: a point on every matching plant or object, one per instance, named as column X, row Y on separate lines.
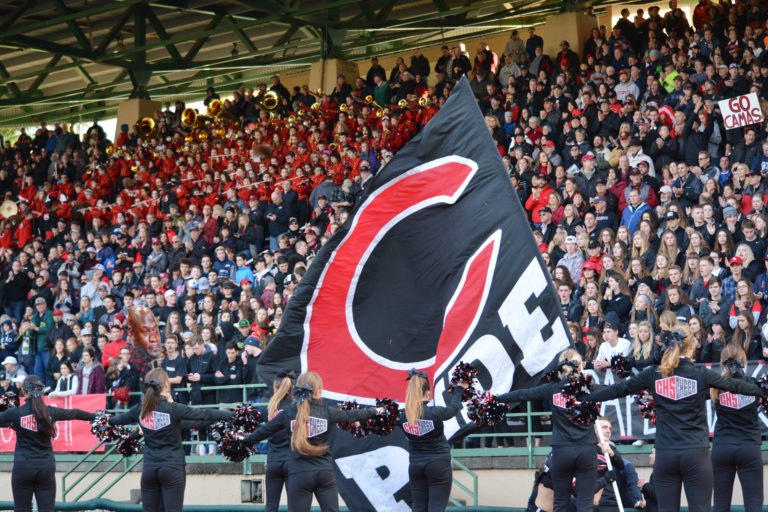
column 680, row 401
column 280, row 443
column 427, row 437
column 737, row 418
column 34, row 448
column 233, row 375
column 322, row 419
column 162, row 429
column 564, row 431
column 205, row 365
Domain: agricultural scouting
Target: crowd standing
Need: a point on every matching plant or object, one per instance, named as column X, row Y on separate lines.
column 643, row 204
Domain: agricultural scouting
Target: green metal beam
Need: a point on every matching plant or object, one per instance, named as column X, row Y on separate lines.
column 58, row 20
column 202, row 39
column 116, row 28
column 240, row 33
column 73, row 27
column 162, row 34
column 15, row 15
column 34, row 86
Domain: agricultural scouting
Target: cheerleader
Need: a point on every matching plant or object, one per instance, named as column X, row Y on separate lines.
column 574, row 446
column 310, row 422
column 163, row 477
column 736, row 445
column 429, row 464
column 34, row 467
column 680, row 391
column 280, row 442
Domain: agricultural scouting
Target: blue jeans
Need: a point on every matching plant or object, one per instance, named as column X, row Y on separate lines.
column 41, row 361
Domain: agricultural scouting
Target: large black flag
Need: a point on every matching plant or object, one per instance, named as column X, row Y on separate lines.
column 435, row 265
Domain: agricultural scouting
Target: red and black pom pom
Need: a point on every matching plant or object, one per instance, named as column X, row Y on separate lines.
column 485, row 410
column 582, row 412
column 8, row 401
column 621, row 366
column 646, row 404
column 762, row 381
column 378, row 424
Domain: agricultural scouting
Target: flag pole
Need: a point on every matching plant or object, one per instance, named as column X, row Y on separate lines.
column 610, row 468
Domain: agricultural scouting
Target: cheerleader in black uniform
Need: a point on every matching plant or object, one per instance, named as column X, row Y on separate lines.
column 34, row 467
column 164, row 476
column 680, row 391
column 310, row 465
column 574, row 446
column 280, row 442
column 736, row 445
column 429, row 469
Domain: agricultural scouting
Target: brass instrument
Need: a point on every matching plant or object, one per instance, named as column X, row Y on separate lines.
column 423, row 102
column 191, row 120
column 146, row 127
column 110, row 149
column 402, row 103
column 269, row 100
column 343, row 107
column 217, row 111
column 332, row 146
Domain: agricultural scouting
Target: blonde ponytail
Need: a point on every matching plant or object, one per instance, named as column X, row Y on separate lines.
column 570, row 362
column 300, row 437
column 671, row 358
column 418, row 387
column 282, row 388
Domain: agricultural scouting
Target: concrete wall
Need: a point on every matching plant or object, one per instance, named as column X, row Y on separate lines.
column 497, row 487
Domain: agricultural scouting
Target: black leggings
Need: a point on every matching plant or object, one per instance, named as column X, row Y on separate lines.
column 690, row 467
column 40, row 482
column 569, row 462
column 746, row 460
column 430, row 485
column 276, row 477
column 162, row 488
column 301, row 486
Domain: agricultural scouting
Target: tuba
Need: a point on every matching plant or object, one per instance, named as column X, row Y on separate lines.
column 269, row 100
column 217, row 111
column 146, row 127
column 191, row 120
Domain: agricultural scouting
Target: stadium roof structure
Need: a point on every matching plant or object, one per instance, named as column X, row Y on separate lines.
column 67, row 60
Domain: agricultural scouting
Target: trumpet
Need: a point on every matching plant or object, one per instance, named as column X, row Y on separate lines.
column 343, row 107
column 332, row 146
column 315, row 106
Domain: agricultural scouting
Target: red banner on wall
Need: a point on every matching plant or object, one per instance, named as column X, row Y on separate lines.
column 71, row 436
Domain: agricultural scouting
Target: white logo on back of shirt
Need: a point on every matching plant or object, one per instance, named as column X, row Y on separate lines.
column 421, row 428
column 735, row 401
column 156, row 420
column 315, row 426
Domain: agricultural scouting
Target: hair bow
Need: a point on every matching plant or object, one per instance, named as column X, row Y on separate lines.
column 735, row 366
column 291, row 374
column 413, row 372
column 301, row 393
column 33, row 389
column 671, row 338
column 154, row 384
column 572, row 363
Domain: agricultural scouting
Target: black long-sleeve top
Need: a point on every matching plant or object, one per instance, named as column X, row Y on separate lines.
column 427, row 436
column 280, row 443
column 33, row 447
column 564, row 431
column 162, row 429
column 322, row 421
column 737, row 419
column 680, row 399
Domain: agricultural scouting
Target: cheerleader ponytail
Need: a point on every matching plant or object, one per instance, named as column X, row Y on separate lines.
column 155, row 382
column 282, row 388
column 418, row 387
column 569, row 364
column 676, row 343
column 733, row 360
column 308, row 386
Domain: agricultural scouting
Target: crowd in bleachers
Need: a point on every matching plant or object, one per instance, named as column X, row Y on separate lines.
column 648, row 211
